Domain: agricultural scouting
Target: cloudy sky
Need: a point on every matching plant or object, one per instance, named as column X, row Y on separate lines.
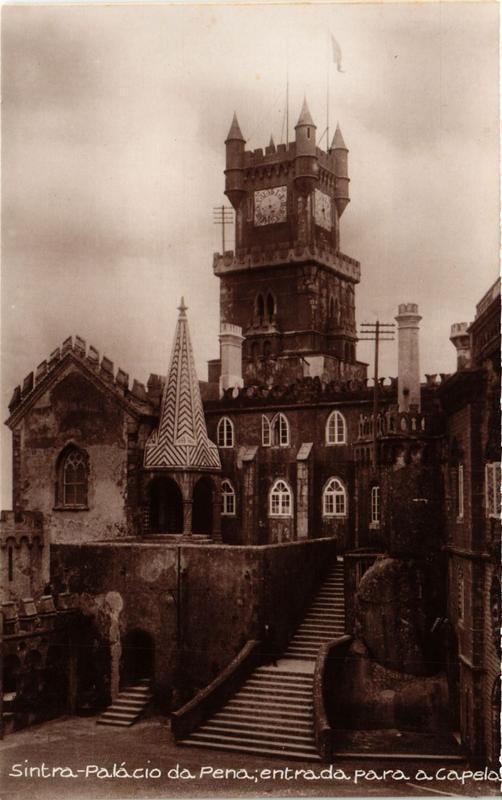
column 113, row 124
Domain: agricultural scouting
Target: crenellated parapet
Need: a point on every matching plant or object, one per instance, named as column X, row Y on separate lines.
column 103, row 367
column 18, row 527
column 255, row 257
column 306, row 390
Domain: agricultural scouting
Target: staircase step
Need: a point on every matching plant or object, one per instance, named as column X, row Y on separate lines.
column 268, row 723
column 279, row 702
column 270, row 679
column 266, row 751
column 243, row 708
column 294, row 694
column 269, row 736
column 300, row 747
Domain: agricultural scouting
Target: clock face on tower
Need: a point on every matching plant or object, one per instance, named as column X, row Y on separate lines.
column 322, row 209
column 270, row 205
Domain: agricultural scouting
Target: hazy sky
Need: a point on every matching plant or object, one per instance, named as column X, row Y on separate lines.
column 114, row 119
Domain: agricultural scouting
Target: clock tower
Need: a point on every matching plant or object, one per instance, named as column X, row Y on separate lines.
column 287, row 285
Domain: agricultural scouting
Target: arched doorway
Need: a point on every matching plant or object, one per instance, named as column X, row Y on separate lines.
column 166, row 506
column 137, row 657
column 202, row 513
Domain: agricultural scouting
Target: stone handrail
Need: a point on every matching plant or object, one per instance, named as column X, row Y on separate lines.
column 213, row 696
column 329, row 652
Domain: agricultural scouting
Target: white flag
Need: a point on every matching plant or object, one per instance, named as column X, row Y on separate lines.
column 337, row 54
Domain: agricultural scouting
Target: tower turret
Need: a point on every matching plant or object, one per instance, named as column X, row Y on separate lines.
column 306, row 163
column 234, row 167
column 340, row 153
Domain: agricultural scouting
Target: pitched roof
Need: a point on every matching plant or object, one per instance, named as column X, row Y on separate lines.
column 235, row 131
column 181, row 442
column 338, row 142
column 305, row 117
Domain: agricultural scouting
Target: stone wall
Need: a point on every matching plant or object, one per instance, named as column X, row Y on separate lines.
column 74, row 412
column 198, row 603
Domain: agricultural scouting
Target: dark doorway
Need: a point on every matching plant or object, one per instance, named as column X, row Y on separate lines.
column 11, row 669
column 166, row 506
column 137, row 657
column 202, row 514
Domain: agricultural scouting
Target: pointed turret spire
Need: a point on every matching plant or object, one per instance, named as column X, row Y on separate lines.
column 235, row 133
column 271, row 142
column 305, row 117
column 338, row 142
column 181, row 442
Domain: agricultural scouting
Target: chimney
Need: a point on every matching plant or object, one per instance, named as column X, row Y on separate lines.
column 461, row 341
column 231, row 339
column 408, row 382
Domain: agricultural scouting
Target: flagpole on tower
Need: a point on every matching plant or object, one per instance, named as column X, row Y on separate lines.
column 287, row 93
column 327, row 93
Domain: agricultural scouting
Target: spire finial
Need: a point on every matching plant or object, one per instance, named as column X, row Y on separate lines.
column 271, row 143
column 182, row 308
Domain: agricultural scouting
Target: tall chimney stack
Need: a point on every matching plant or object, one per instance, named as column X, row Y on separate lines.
column 408, row 368
column 231, row 339
column 461, row 341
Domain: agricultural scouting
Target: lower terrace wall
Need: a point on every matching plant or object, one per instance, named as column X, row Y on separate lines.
column 199, row 603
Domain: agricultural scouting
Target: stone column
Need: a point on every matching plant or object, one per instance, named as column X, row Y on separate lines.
column 217, row 510
column 408, row 382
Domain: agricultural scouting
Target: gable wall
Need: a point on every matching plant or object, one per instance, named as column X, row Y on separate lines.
column 74, row 410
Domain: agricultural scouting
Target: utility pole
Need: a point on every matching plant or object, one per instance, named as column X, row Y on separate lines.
column 376, row 332
column 222, row 215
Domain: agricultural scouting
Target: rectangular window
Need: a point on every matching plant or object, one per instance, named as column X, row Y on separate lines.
column 375, row 506
column 265, row 431
column 460, row 491
column 492, row 489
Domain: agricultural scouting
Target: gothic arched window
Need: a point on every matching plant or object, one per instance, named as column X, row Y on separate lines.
column 334, row 499
column 72, row 478
column 227, row 499
column 225, row 433
column 280, row 500
column 336, row 428
column 280, row 431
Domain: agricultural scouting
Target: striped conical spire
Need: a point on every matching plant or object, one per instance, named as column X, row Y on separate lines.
column 181, row 441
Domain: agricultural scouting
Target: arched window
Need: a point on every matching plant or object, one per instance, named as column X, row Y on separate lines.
column 225, row 433
column 227, row 499
column 266, row 431
column 267, row 349
column 270, row 307
column 260, row 308
column 280, row 431
column 255, row 350
column 72, row 478
column 334, row 499
column 336, row 428
column 331, row 312
column 375, row 506
column 280, row 500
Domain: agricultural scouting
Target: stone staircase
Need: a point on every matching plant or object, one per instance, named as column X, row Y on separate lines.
column 128, row 705
column 325, row 619
column 271, row 714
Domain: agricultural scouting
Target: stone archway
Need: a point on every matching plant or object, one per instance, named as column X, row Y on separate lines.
column 202, row 514
column 165, row 506
column 137, row 660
